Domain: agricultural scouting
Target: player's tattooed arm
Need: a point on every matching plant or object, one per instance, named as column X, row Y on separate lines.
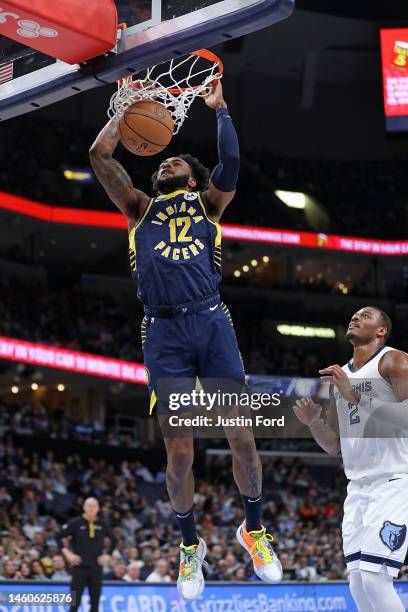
column 112, row 175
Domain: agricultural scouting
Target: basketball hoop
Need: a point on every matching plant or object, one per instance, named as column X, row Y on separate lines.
column 171, row 87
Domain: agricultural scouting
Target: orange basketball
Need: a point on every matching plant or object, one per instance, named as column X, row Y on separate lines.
column 146, row 128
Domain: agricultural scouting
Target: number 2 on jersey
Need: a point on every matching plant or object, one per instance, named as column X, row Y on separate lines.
column 353, row 414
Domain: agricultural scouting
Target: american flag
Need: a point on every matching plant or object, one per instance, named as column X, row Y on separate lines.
column 6, row 72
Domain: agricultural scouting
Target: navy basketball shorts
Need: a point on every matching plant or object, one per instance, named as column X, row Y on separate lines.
column 181, row 348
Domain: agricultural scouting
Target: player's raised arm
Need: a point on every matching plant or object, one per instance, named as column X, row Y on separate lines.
column 223, row 180
column 393, row 367
column 112, row 176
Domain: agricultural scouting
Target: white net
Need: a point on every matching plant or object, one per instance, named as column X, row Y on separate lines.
column 176, row 85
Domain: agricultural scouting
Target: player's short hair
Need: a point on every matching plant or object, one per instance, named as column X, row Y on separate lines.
column 198, row 170
column 385, row 320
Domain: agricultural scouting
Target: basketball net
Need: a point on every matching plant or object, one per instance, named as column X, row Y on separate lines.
column 176, row 87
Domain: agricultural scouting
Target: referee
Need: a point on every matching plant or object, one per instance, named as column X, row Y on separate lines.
column 87, row 534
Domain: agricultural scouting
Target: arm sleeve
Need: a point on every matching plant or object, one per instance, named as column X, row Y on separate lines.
column 225, row 175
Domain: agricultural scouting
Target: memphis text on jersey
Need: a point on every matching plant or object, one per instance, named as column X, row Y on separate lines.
column 365, row 386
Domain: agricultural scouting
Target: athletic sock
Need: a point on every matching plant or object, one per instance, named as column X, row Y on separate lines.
column 253, row 512
column 187, row 526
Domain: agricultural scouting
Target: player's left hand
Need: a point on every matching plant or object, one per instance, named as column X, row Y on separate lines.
column 337, row 376
column 215, row 98
column 103, row 559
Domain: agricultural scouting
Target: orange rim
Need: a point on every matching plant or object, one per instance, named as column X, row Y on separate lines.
column 203, row 53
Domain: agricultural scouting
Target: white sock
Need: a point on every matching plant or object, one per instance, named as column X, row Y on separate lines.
column 380, row 591
column 356, row 587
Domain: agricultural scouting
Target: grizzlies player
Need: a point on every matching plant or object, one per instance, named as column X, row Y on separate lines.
column 175, row 252
column 369, row 395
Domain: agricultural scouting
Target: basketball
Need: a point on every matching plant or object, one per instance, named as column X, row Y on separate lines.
column 146, row 128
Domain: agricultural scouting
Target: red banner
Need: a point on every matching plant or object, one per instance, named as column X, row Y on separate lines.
column 73, row 361
column 394, row 52
column 247, row 233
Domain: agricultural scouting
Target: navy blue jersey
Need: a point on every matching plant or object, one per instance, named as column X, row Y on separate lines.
column 175, row 251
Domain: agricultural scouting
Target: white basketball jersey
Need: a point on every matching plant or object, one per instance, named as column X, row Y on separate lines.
column 366, row 452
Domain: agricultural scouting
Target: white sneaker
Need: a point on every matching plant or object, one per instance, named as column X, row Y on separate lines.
column 258, row 543
column 190, row 583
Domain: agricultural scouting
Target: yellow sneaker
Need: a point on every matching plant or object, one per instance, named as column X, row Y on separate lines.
column 258, row 543
column 190, row 583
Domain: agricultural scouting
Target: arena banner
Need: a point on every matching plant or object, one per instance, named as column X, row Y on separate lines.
column 247, row 233
column 394, row 53
column 251, row 597
column 394, row 50
column 73, row 361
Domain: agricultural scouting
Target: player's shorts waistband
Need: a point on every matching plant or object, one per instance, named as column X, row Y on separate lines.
column 170, row 312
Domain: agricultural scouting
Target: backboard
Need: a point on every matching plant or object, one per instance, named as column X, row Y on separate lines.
column 156, row 31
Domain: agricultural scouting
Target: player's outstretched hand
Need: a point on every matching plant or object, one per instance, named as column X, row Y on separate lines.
column 215, row 99
column 307, row 411
column 336, row 375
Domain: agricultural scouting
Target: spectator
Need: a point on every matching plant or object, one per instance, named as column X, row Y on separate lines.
column 32, row 527
column 37, row 571
column 9, row 570
column 24, row 571
column 60, row 572
column 132, row 573
column 160, row 572
column 118, row 573
column 305, row 572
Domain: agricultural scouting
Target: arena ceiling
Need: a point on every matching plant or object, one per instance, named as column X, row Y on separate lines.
column 379, row 10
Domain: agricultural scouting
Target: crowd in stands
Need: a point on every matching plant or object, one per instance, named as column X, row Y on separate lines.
column 38, row 493
column 359, row 198
column 36, row 418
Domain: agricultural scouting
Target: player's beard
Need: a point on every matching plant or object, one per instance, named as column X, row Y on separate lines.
column 168, row 184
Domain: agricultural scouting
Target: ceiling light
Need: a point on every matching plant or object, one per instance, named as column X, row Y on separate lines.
column 265, row 259
column 15, row 389
column 293, row 199
column 245, row 268
column 34, row 386
column 306, row 331
column 61, row 388
column 237, row 273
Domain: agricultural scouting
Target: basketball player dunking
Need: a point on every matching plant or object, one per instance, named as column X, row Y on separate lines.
column 175, row 254
column 369, row 395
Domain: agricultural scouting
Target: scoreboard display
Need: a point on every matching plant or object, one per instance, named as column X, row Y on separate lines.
column 394, row 53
